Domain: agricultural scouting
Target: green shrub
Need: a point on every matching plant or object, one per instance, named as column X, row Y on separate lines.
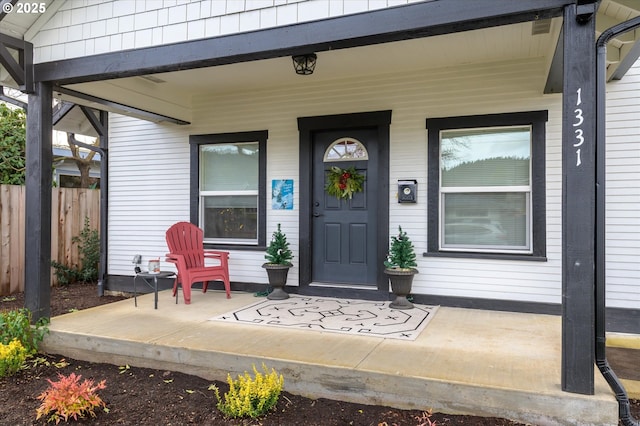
column 251, row 397
column 16, row 324
column 68, row 398
column 12, row 145
column 12, row 357
column 89, row 248
column 65, row 274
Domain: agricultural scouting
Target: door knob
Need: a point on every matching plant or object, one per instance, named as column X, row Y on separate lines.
column 316, row 214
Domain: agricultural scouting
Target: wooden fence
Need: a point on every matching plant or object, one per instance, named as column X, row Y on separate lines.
column 69, row 207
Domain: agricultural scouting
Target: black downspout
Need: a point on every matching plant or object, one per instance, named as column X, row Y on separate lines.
column 624, row 407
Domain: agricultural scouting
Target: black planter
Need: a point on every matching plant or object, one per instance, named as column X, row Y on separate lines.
column 277, row 280
column 401, row 281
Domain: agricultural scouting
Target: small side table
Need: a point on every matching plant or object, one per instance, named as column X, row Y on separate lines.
column 151, row 280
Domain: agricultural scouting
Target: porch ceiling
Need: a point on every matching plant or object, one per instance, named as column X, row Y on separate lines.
column 171, row 93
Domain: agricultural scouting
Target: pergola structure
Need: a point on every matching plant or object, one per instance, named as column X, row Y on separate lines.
column 573, row 72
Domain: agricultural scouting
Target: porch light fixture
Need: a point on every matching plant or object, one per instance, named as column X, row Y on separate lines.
column 304, row 64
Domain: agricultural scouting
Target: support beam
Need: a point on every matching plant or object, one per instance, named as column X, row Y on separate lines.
column 93, row 120
column 38, row 203
column 61, row 110
column 578, row 211
column 7, row 59
column 120, row 108
column 21, row 70
column 554, row 77
column 104, row 201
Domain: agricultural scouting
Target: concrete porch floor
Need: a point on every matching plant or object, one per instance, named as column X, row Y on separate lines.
column 466, row 361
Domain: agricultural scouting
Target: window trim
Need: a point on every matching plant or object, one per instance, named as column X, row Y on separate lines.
column 537, row 120
column 195, row 142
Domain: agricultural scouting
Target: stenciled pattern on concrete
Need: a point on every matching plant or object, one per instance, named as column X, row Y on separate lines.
column 350, row 316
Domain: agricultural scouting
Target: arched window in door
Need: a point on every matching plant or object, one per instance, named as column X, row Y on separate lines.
column 346, row 149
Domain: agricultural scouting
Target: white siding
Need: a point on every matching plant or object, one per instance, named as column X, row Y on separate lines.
column 149, row 163
column 148, row 189
column 150, row 166
column 623, row 191
column 101, row 26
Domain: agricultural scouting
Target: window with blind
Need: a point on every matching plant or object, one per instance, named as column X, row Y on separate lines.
column 230, row 187
column 486, row 188
column 229, row 192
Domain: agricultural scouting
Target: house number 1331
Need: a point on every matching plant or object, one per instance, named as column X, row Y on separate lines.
column 578, row 125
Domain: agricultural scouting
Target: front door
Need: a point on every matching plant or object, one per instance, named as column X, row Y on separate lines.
column 344, row 231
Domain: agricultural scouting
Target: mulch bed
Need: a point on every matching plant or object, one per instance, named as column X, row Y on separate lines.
column 142, row 396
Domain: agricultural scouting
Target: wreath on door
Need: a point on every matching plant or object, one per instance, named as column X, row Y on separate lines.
column 343, row 183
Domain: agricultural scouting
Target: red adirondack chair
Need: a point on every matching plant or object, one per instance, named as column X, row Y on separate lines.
column 185, row 242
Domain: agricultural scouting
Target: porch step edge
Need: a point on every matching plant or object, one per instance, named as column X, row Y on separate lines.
column 348, row 384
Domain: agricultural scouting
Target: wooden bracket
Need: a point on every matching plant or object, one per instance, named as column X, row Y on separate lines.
column 20, row 69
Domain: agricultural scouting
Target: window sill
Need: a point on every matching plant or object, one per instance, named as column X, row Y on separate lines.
column 496, row 256
column 236, row 247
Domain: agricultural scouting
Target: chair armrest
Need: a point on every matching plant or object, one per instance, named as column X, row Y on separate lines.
column 178, row 260
column 222, row 256
column 171, row 257
column 214, row 254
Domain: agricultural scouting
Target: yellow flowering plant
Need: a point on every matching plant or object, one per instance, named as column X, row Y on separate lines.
column 16, row 324
column 12, row 357
column 251, row 397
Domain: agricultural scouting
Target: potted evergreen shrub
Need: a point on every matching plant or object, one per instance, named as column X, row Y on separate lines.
column 278, row 258
column 400, row 266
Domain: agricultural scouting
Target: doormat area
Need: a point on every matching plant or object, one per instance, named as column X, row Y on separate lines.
column 347, row 316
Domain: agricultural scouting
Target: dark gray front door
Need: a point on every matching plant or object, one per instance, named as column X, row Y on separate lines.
column 344, row 242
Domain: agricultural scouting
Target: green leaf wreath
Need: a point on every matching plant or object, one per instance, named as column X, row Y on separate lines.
column 343, row 183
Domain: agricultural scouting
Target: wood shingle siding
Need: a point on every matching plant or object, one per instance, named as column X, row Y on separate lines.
column 111, row 25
